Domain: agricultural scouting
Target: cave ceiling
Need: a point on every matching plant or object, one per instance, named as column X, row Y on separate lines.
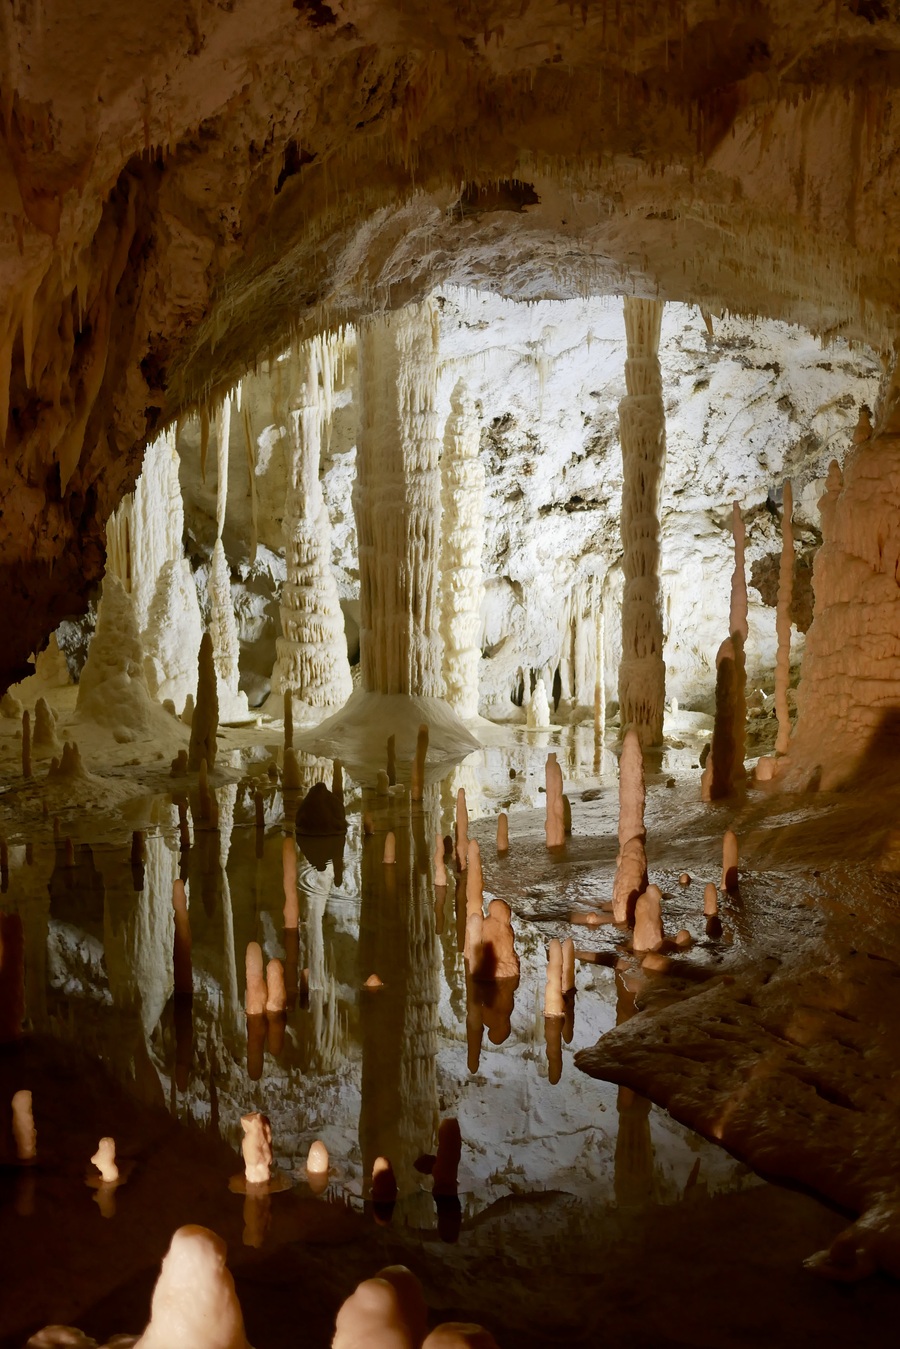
column 188, row 187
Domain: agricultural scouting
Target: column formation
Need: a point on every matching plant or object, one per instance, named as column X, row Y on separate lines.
column 312, row 652
column 397, row 503
column 642, row 430
column 462, row 582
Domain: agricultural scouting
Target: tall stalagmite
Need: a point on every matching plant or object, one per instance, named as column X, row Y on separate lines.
column 783, row 621
column 312, row 653
column 397, row 503
column 462, row 531
column 642, row 429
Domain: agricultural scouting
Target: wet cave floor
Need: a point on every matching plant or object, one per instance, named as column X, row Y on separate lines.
column 586, row 1215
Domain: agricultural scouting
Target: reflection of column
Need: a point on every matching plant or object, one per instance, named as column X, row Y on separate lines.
column 634, row 1145
column 138, row 930
column 325, row 1038
column 226, row 797
column 29, row 895
column 398, row 1115
column 462, row 535
column 642, row 429
column 397, row 503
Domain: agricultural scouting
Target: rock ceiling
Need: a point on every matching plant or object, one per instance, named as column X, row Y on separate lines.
column 184, row 188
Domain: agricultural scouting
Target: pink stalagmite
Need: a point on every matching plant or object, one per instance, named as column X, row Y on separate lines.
column 390, row 849
column 737, row 617
column 648, row 929
column 729, row 861
column 630, row 879
column 474, row 879
column 256, row 995
column 502, row 834
column 276, row 995
column 710, row 899
column 462, row 829
column 194, row 1303
column 554, row 825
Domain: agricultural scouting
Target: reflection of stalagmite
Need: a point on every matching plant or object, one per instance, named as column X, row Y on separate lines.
column 184, row 978
column 462, row 532
column 397, row 503
column 462, row 829
column 642, row 429
column 312, row 653
column 24, row 1132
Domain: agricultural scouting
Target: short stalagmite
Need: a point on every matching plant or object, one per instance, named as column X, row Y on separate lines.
column 642, row 431
column 783, row 621
column 710, row 899
column 384, row 1182
column 256, row 993
column 567, row 979
column 499, row 959
column 105, row 1161
column 194, row 1303
column 537, row 713
column 723, row 773
column 24, row 1132
column 276, row 995
column 44, row 737
column 648, row 929
column 385, row 1312
column 502, row 834
column 729, row 861
column 554, row 1003
column 459, row 1335
column 256, row 1148
column 317, row 1159
column 554, row 824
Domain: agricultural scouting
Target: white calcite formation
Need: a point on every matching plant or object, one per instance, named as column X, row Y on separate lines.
column 194, row 1303
column 462, row 544
column 311, row 657
column 398, row 505
column 537, row 715
column 642, row 427
column 113, row 690
column 145, row 551
column 226, row 646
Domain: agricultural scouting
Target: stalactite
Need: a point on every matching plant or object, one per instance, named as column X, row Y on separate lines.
column 642, row 428
column 462, row 531
column 223, row 436
column 396, row 500
column 783, row 622
column 312, row 653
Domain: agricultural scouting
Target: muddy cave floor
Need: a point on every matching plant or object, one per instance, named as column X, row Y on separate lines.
column 586, row 1215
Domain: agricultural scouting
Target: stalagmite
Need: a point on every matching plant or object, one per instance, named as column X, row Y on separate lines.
column 440, row 869
column 291, row 777
column 223, row 632
column 642, row 429
column 630, row 879
column 729, row 861
column 384, row 1182
column 203, row 790
column 554, row 1004
column 24, row 1132
column 502, row 834
column 631, row 788
column 737, row 614
column 390, row 849
column 105, row 1161
column 462, row 534
column 417, row 779
column 397, row 503
column 382, row 783
column 205, row 721
column 537, row 713
column 26, row 744
column 112, row 691
column 444, row 1173
column 256, row 1148
column 44, row 737
column 648, row 929
column 194, row 1303
column 554, row 824
column 276, row 996
column 783, row 621
column 256, row 993
column 317, row 1159
column 710, row 899
column 497, row 958
column 567, row 981
column 311, row 661
column 459, row 1335
column 386, row 1312
column 724, row 773
column 462, row 829
column 171, row 638
column 474, row 879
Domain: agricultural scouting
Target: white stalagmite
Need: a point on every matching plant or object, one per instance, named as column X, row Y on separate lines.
column 172, row 637
column 783, row 621
column 397, row 503
column 312, row 652
column 113, row 690
column 226, row 646
column 537, row 713
column 642, row 429
column 462, row 530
